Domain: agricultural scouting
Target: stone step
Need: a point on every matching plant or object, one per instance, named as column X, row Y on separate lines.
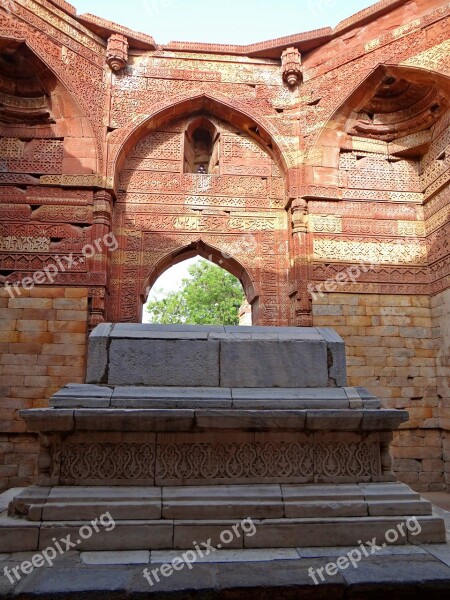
column 400, row 572
column 95, row 396
column 220, row 501
column 23, row 536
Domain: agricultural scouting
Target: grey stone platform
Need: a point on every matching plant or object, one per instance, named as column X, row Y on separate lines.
column 241, row 575
column 398, row 572
column 182, row 429
column 404, row 576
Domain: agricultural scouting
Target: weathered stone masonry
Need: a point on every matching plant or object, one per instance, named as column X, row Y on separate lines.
column 320, row 152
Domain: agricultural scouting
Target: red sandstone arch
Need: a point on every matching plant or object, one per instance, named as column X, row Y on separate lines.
column 129, row 272
column 203, row 122
column 214, row 255
column 334, row 126
column 233, row 111
column 49, row 53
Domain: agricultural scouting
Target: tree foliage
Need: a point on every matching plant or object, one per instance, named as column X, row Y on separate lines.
column 209, row 296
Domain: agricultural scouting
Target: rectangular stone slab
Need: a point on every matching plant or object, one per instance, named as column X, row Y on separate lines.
column 250, row 419
column 122, row 419
column 320, row 501
column 288, row 533
column 80, row 395
column 273, row 363
column 171, row 397
column 45, row 419
column 18, row 535
column 289, row 398
column 196, row 356
column 85, row 503
column 126, row 535
column 159, row 362
column 336, row 358
column 97, row 364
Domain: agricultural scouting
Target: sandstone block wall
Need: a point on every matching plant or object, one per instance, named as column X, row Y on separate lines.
column 440, row 311
column 42, row 347
column 446, row 457
column 392, row 349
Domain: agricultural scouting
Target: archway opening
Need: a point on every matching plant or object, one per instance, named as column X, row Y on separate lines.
column 197, row 292
column 202, row 150
column 201, row 147
column 235, row 215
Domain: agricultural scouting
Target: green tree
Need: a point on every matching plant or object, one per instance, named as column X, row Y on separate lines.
column 209, row 296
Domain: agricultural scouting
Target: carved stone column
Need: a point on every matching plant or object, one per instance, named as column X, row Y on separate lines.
column 302, row 305
column 96, row 306
column 103, row 242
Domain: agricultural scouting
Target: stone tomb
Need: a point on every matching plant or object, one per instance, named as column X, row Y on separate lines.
column 181, row 431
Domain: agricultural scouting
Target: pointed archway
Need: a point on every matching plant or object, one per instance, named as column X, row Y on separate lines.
column 212, row 102
column 237, row 210
column 213, row 255
column 198, row 289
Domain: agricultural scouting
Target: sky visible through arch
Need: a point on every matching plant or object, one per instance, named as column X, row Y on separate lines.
column 221, row 22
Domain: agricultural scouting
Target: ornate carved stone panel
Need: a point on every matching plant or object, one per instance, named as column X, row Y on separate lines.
column 234, row 213
column 207, row 463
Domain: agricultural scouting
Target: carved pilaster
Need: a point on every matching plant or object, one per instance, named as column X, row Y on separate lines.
column 96, row 307
column 299, row 215
column 102, row 208
column 100, row 234
column 103, row 242
column 301, row 297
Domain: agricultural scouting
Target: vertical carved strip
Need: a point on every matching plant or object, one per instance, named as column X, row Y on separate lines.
column 302, row 309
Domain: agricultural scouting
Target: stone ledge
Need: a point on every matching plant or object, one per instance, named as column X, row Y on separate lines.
column 19, row 536
column 262, row 501
column 96, row 396
column 82, row 395
column 173, row 397
column 182, row 419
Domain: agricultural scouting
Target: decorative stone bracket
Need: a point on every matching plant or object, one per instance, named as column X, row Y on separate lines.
column 291, row 65
column 117, row 52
